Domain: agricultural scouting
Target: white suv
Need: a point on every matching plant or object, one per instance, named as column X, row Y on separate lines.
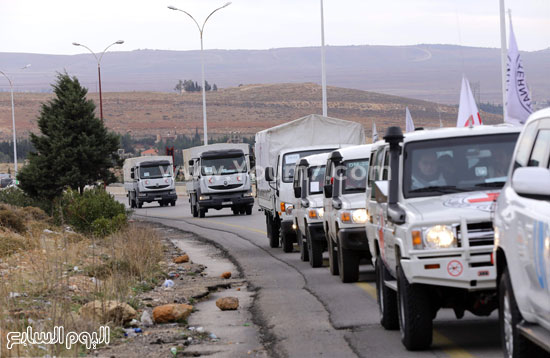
column 434, row 235
column 345, row 210
column 308, row 208
column 522, row 243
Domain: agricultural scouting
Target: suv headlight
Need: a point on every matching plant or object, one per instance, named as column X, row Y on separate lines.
column 204, row 197
column 247, row 194
column 315, row 213
column 439, row 237
column 358, row 216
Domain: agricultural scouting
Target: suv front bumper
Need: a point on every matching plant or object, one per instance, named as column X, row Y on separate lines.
column 353, row 238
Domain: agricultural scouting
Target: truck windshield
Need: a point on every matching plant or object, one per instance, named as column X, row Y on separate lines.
column 355, row 176
column 154, row 171
column 223, row 166
column 452, row 165
column 290, row 159
column 316, row 176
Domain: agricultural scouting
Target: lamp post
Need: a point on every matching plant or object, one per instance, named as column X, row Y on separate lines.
column 201, row 31
column 323, row 71
column 13, row 123
column 119, row 42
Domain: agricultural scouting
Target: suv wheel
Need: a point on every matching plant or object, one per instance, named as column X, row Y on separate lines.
column 315, row 250
column 286, row 241
column 514, row 345
column 386, row 297
column 415, row 313
column 332, row 259
column 304, row 254
column 348, row 263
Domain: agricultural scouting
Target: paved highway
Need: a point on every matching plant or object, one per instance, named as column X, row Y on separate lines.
column 306, row 312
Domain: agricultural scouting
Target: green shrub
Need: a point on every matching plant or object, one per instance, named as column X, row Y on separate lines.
column 9, row 219
column 17, row 197
column 95, row 211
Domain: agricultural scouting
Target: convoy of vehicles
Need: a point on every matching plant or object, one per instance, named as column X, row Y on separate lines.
column 522, row 243
column 450, row 218
column 434, row 235
column 218, row 176
column 149, row 179
column 344, row 210
column 308, row 208
column 277, row 150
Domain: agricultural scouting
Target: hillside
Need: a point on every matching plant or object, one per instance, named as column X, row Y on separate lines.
column 246, row 109
column 427, row 72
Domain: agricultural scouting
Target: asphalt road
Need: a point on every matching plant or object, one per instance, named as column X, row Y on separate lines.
column 307, row 312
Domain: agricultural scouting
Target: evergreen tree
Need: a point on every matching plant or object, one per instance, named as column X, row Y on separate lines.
column 214, row 88
column 74, row 148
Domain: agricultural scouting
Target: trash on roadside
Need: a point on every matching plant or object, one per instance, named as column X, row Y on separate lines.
column 146, row 319
column 168, row 283
column 174, row 351
column 212, row 336
column 200, row 329
column 138, row 330
column 129, row 332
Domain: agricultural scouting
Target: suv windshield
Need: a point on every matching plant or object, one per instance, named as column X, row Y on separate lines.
column 355, row 176
column 154, row 172
column 452, row 165
column 316, row 176
column 290, row 159
column 223, row 166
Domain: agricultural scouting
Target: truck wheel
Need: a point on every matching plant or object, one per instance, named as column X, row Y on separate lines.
column 173, row 203
column 139, row 204
column 348, row 264
column 286, row 241
column 248, row 210
column 304, row 255
column 235, row 211
column 514, row 345
column 202, row 213
column 194, row 211
column 315, row 251
column 386, row 297
column 132, row 204
column 242, row 210
column 272, row 231
column 415, row 313
column 332, row 259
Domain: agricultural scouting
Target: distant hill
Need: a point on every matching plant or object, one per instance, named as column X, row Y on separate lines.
column 428, row 72
column 245, row 109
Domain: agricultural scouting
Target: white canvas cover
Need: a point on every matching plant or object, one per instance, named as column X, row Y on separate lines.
column 310, row 130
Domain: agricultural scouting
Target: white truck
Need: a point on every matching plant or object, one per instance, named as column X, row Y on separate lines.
column 434, row 235
column 308, row 207
column 345, row 211
column 277, row 150
column 148, row 179
column 217, row 176
column 522, row 244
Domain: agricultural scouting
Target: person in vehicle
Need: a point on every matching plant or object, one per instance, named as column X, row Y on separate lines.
column 426, row 171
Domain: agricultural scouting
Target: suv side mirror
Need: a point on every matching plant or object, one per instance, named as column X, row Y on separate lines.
column 381, row 191
column 327, row 189
column 531, row 182
column 269, row 175
column 297, row 192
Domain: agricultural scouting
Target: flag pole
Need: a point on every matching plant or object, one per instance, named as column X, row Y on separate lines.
column 503, row 57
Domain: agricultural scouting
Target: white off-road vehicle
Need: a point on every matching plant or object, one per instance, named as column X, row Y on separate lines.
column 308, row 208
column 434, row 234
column 522, row 243
column 345, row 210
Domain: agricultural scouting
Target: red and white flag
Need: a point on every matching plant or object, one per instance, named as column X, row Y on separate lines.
column 468, row 114
column 518, row 99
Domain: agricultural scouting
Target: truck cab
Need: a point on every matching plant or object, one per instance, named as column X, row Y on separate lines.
column 434, row 236
column 149, row 179
column 522, row 243
column 219, row 179
column 308, row 208
column 283, row 193
column 345, row 210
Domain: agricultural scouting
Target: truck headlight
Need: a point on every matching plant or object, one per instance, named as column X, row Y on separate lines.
column 247, row 195
column 358, row 216
column 172, row 192
column 204, row 197
column 315, row 213
column 440, row 237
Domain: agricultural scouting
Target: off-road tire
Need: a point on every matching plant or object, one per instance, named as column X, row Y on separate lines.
column 348, row 264
column 304, row 254
column 272, row 232
column 202, row 212
column 386, row 298
column 332, row 256
column 248, row 210
column 286, row 241
column 415, row 313
column 315, row 251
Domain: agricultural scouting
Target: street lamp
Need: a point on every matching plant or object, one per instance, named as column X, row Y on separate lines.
column 119, row 42
column 201, row 30
column 323, row 71
column 13, row 122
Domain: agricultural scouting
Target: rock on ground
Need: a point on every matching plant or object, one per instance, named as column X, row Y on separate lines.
column 108, row 311
column 227, row 303
column 171, row 313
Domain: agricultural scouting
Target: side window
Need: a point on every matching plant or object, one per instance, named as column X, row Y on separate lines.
column 298, row 177
column 541, row 150
column 277, row 168
column 376, row 169
column 525, row 146
column 328, row 173
column 386, row 169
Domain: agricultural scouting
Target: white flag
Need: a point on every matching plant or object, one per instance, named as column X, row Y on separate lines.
column 409, row 124
column 468, row 113
column 374, row 133
column 518, row 100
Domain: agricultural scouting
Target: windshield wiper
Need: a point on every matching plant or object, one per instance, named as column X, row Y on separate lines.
column 494, row 184
column 439, row 189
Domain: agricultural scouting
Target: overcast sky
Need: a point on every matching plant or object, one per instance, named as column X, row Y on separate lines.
column 50, row 26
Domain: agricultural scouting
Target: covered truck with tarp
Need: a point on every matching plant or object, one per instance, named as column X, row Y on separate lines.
column 277, row 150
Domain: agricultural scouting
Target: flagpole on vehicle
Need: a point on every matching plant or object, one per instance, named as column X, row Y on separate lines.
column 503, row 57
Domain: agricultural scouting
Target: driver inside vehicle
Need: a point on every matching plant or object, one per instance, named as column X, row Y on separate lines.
column 426, row 171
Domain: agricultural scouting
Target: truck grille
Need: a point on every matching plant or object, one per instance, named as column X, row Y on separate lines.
column 157, row 187
column 480, row 234
column 224, row 187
